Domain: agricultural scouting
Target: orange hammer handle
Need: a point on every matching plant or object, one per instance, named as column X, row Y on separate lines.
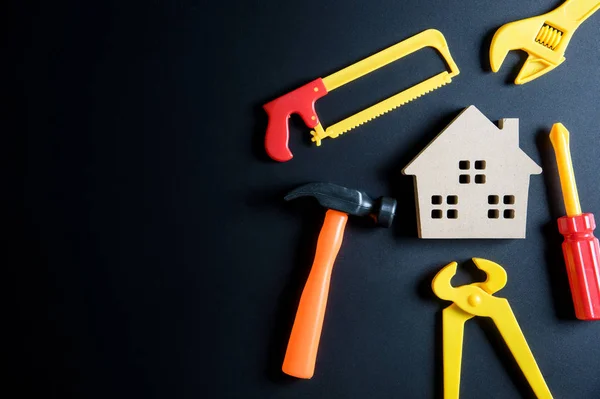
column 301, row 353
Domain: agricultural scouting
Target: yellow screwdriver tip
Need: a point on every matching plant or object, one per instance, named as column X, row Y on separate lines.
column 559, row 137
column 559, row 132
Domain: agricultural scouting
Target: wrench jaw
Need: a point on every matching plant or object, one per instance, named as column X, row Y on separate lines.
column 533, row 68
column 517, row 35
column 524, row 35
column 500, row 47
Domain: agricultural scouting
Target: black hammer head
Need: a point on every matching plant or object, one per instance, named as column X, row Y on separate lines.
column 352, row 202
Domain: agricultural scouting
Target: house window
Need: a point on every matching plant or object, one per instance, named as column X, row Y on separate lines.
column 509, row 199
column 438, row 211
column 507, row 212
column 465, row 165
column 493, row 199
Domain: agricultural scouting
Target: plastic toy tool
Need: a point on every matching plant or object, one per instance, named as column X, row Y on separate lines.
column 302, row 100
column 544, row 37
column 477, row 300
column 302, row 347
column 580, row 247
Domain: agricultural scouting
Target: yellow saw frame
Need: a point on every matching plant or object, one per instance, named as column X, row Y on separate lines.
column 302, row 100
column 429, row 38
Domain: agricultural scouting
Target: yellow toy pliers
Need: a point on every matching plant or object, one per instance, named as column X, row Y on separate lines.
column 477, row 300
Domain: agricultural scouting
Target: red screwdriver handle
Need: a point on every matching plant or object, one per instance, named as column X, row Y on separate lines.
column 582, row 257
column 300, row 101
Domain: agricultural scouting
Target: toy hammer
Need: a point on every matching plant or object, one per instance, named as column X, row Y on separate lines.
column 340, row 201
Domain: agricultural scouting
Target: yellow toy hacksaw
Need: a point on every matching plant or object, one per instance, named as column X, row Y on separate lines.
column 302, row 100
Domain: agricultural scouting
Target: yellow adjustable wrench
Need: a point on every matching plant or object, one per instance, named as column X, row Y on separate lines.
column 544, row 37
column 477, row 300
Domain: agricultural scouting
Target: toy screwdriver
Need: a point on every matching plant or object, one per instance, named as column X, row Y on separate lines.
column 580, row 248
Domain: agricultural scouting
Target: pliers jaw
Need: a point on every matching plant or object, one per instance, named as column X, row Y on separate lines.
column 442, row 285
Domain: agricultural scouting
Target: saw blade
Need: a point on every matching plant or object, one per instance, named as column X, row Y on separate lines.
column 384, row 106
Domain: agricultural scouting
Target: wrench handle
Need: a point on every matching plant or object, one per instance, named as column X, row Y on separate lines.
column 579, row 10
column 301, row 353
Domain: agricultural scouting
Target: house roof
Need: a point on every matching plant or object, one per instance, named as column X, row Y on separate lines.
column 472, row 128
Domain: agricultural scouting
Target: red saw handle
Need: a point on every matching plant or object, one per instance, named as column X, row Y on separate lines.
column 300, row 101
column 301, row 353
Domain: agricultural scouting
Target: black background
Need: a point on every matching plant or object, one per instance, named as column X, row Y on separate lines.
column 161, row 260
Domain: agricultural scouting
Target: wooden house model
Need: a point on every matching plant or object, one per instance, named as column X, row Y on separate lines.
column 472, row 180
